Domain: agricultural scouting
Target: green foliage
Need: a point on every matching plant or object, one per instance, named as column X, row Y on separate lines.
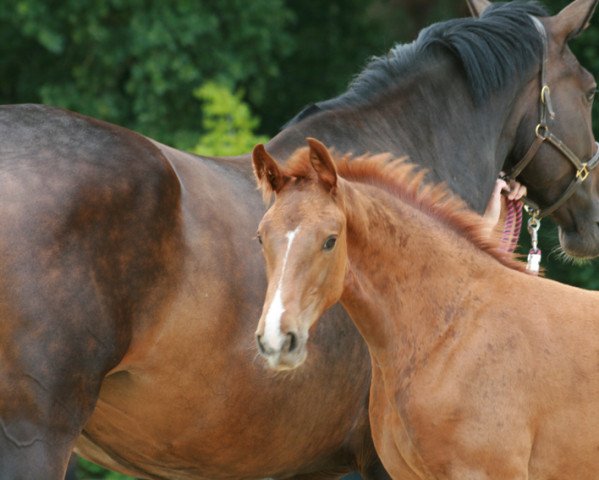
column 227, row 122
column 136, row 62
column 90, row 471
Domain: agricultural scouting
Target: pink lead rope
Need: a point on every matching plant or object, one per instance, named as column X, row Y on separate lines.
column 512, row 225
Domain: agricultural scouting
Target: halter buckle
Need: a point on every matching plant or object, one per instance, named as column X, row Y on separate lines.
column 545, row 91
column 583, row 173
column 546, row 100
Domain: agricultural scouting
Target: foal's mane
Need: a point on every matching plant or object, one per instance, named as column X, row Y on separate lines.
column 494, row 50
column 405, row 181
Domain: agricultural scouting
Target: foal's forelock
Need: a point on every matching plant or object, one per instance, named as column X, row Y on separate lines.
column 273, row 335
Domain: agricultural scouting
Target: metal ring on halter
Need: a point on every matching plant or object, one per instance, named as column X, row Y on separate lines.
column 542, row 131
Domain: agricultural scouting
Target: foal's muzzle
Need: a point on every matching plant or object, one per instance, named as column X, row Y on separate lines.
column 288, row 346
column 287, row 356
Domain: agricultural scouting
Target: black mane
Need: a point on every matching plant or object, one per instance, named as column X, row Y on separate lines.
column 494, row 50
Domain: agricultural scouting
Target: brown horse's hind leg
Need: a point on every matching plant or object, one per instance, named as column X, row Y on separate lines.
column 36, row 437
column 51, row 367
column 40, row 419
column 34, row 460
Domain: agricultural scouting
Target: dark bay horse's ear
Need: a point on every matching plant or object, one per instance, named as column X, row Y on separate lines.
column 477, row 7
column 267, row 171
column 572, row 20
column 321, row 160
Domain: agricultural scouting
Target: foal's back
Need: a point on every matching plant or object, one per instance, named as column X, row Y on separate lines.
column 516, row 391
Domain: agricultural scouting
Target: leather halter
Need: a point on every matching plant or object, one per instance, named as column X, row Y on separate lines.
column 543, row 134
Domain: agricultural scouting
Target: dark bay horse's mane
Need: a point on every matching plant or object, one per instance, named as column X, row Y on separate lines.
column 494, row 50
column 405, row 181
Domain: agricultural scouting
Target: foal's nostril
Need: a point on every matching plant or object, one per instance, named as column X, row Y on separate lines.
column 292, row 341
column 260, row 346
column 288, row 345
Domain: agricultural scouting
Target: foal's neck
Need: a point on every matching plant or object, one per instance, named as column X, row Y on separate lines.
column 409, row 275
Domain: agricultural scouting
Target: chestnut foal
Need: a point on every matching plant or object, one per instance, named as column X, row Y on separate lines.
column 479, row 370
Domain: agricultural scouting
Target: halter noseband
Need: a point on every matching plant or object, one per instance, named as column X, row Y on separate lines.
column 543, row 134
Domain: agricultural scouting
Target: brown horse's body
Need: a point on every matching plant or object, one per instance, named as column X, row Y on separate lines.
column 479, row 370
column 133, row 282
column 129, row 282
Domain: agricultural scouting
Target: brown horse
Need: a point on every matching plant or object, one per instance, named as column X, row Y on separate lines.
column 129, row 289
column 479, row 370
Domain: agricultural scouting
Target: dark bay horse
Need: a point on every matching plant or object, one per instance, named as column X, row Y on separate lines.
column 129, row 286
column 480, row 371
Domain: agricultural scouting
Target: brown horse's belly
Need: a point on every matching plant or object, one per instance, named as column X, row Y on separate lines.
column 182, row 405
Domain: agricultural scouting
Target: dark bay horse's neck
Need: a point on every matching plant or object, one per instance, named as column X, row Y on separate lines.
column 409, row 278
column 432, row 119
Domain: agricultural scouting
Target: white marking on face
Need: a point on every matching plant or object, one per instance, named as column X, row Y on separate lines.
column 272, row 322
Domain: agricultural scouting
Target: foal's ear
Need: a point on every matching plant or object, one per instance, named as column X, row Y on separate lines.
column 267, row 171
column 477, row 7
column 321, row 161
column 572, row 20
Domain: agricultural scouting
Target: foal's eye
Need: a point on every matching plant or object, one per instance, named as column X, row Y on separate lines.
column 329, row 243
column 591, row 94
column 259, row 238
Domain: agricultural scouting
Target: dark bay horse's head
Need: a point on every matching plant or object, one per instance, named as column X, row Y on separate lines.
column 303, row 237
column 511, row 100
column 554, row 150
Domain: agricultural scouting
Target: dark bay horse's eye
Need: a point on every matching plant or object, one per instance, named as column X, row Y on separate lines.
column 329, row 243
column 591, row 94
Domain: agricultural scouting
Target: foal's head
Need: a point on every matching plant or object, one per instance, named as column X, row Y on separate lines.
column 303, row 237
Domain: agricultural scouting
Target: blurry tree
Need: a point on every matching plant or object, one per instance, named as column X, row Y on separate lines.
column 90, row 471
column 137, row 62
column 227, row 122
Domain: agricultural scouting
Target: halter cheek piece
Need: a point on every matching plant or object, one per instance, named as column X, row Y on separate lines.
column 543, row 134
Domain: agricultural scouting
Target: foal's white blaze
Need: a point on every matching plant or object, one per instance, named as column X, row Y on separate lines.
column 272, row 323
